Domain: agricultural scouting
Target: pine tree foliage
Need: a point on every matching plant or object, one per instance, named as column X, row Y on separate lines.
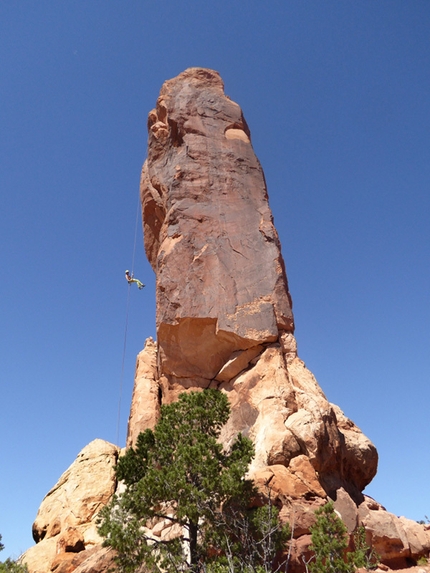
column 330, row 542
column 180, row 473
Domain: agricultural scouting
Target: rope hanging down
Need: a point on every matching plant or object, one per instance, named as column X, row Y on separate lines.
column 126, row 320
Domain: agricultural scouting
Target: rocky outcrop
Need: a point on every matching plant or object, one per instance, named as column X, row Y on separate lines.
column 65, row 528
column 399, row 541
column 224, row 320
column 224, row 311
column 209, row 233
column 145, row 403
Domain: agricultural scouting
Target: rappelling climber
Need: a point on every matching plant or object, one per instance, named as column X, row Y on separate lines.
column 130, row 279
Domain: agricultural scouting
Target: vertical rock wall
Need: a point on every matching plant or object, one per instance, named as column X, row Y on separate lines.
column 224, row 316
column 209, row 233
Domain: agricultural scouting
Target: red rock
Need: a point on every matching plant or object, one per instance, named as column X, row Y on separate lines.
column 205, row 213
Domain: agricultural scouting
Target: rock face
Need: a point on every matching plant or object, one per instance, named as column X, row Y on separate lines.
column 209, row 234
column 65, row 523
column 224, row 320
column 145, row 404
column 224, row 316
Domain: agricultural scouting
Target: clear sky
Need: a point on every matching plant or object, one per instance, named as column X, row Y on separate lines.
column 337, row 97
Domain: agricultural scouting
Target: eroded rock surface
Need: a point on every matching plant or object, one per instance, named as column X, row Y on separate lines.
column 65, row 523
column 209, row 233
column 224, row 311
column 224, row 320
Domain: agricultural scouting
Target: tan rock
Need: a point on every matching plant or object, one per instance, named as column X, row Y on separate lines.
column 38, row 558
column 224, row 316
column 296, row 481
column 300, row 514
column 145, row 404
column 99, row 560
column 70, row 540
column 289, row 345
column 237, row 362
column 386, row 535
column 261, row 400
column 63, row 563
column 418, row 537
column 300, row 554
column 360, row 458
column 81, row 491
column 347, row 509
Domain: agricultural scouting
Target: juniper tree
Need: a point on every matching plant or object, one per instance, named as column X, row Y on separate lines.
column 180, row 473
column 330, row 542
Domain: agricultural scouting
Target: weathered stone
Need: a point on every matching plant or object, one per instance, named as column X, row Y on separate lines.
column 237, row 362
column 300, row 554
column 347, row 509
column 65, row 520
column 100, row 560
column 145, row 403
column 81, row 491
column 386, row 535
column 300, row 514
column 298, row 480
column 205, row 212
column 418, row 537
column 360, row 458
column 224, row 321
column 63, row 563
column 288, row 345
column 39, row 558
column 70, row 541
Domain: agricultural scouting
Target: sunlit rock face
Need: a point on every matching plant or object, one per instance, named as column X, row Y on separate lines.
column 209, row 233
column 224, row 321
column 224, row 311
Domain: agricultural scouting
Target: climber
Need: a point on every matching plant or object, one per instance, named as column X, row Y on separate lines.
column 130, row 279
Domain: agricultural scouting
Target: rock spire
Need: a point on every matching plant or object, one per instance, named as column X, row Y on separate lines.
column 224, row 311
column 224, row 320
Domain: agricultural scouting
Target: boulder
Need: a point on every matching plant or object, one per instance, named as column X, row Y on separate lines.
column 83, row 489
column 400, row 542
column 65, row 522
column 100, row 560
column 39, row 558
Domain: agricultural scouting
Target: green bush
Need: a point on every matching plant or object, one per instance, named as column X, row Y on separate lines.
column 330, row 543
column 180, row 473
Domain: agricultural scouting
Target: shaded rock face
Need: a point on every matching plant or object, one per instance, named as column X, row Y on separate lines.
column 209, row 233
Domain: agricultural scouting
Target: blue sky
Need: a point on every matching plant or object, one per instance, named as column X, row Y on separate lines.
column 336, row 95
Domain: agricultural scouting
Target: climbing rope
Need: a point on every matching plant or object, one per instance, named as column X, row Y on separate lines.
column 121, row 384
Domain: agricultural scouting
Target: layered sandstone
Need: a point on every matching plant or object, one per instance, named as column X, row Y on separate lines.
column 224, row 317
column 209, row 233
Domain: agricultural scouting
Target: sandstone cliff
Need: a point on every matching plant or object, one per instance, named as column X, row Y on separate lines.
column 224, row 316
column 225, row 321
